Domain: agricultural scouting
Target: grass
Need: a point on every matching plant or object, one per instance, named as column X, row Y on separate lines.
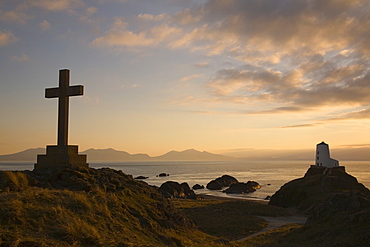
column 14, row 181
column 137, row 215
column 230, row 219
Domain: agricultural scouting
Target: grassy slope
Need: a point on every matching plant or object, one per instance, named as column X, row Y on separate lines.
column 134, row 216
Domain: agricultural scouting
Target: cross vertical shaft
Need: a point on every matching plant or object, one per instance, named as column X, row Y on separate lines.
column 63, row 92
column 63, row 108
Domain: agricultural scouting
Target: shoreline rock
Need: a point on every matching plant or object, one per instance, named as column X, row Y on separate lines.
column 162, row 175
column 171, row 189
column 242, row 188
column 220, row 182
column 198, row 187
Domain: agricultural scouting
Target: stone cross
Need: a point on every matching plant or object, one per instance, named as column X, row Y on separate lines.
column 62, row 155
column 63, row 92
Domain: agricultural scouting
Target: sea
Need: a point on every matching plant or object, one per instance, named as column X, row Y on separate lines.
column 271, row 175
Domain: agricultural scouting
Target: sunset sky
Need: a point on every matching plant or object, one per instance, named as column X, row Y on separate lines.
column 161, row 75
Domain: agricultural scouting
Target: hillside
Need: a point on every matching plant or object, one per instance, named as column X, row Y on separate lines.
column 26, row 155
column 89, row 207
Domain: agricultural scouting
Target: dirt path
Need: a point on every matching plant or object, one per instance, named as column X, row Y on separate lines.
column 275, row 222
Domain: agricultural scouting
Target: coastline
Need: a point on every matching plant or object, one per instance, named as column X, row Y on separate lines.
column 230, row 198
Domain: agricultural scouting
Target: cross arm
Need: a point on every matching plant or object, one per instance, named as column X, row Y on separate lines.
column 75, row 90
column 52, row 92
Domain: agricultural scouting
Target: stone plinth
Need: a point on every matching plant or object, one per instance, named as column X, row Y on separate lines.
column 60, row 157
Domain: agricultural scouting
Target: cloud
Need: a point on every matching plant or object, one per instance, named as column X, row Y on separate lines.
column 283, row 109
column 150, row 17
column 202, row 65
column 362, row 114
column 57, row 5
column 44, row 25
column 298, row 55
column 23, row 9
column 300, row 126
column 18, row 15
column 91, row 10
column 134, row 85
column 187, row 78
column 7, row 38
column 120, row 36
column 21, row 58
column 355, row 115
column 360, row 145
column 343, row 86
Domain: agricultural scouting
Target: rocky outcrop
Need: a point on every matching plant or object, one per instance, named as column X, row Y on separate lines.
column 242, row 188
column 318, row 184
column 198, row 187
column 338, row 208
column 221, row 182
column 141, row 177
column 172, row 189
column 81, row 179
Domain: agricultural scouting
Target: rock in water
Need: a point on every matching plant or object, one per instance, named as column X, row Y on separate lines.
column 221, row 182
column 163, row 174
column 242, row 188
column 198, row 187
column 172, row 189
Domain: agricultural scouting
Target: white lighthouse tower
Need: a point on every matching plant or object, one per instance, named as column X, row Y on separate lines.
column 323, row 156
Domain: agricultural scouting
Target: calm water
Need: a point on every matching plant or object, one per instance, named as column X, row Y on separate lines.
column 275, row 173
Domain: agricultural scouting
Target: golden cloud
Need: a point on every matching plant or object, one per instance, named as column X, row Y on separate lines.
column 7, row 38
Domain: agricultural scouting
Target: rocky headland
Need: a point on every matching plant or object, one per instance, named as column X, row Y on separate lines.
column 317, row 184
column 338, row 209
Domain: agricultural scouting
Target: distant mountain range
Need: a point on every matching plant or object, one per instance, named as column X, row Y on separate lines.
column 110, row 154
column 26, row 155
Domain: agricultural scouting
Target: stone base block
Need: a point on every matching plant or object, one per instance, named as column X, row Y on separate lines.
column 61, row 157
